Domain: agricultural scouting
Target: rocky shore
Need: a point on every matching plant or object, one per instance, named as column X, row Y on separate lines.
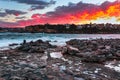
column 78, row 60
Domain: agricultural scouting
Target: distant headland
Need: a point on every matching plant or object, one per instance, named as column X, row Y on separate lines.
column 68, row 28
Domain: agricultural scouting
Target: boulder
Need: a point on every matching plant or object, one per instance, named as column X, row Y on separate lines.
column 35, row 47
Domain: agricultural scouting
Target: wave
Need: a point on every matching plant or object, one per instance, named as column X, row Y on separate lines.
column 55, row 39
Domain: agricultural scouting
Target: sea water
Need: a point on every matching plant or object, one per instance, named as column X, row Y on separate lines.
column 55, row 39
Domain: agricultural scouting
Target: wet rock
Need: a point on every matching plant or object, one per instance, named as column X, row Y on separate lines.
column 24, row 41
column 90, row 71
column 14, row 44
column 24, row 48
column 94, row 59
column 118, row 53
column 117, row 47
column 78, row 60
column 85, row 54
column 38, row 46
column 64, row 50
column 95, row 50
column 70, row 50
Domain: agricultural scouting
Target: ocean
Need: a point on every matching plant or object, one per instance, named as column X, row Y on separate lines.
column 55, row 39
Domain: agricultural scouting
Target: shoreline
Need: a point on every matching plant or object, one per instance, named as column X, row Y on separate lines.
column 78, row 60
column 10, row 38
column 57, row 33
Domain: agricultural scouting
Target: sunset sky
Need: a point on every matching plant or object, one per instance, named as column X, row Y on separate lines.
column 20, row 13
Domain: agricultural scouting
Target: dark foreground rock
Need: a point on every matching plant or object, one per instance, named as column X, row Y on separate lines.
column 37, row 46
column 70, row 62
column 95, row 50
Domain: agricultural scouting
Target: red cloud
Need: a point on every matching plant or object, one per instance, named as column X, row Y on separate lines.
column 36, row 16
column 80, row 12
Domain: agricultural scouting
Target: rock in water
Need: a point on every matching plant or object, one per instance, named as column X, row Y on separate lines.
column 35, row 47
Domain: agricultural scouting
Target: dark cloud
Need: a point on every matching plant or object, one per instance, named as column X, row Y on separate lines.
column 23, row 17
column 11, row 12
column 73, row 9
column 2, row 14
column 14, row 12
column 35, row 4
column 80, row 8
column 42, row 5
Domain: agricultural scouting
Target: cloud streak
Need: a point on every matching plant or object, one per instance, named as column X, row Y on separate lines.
column 11, row 12
column 14, row 12
column 35, row 4
column 3, row 14
column 42, row 5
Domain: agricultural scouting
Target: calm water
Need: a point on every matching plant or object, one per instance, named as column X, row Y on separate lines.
column 56, row 39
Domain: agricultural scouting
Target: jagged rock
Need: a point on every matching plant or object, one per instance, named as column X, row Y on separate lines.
column 72, row 50
column 85, row 60
column 14, row 44
column 95, row 50
column 118, row 53
column 38, row 46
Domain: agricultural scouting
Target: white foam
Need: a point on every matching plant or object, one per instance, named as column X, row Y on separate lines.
column 55, row 39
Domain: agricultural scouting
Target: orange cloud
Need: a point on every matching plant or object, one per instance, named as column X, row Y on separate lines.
column 82, row 12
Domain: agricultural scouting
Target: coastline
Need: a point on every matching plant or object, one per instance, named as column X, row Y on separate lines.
column 77, row 60
column 17, row 38
column 91, row 28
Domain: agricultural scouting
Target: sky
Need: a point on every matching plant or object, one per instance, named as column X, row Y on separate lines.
column 21, row 13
